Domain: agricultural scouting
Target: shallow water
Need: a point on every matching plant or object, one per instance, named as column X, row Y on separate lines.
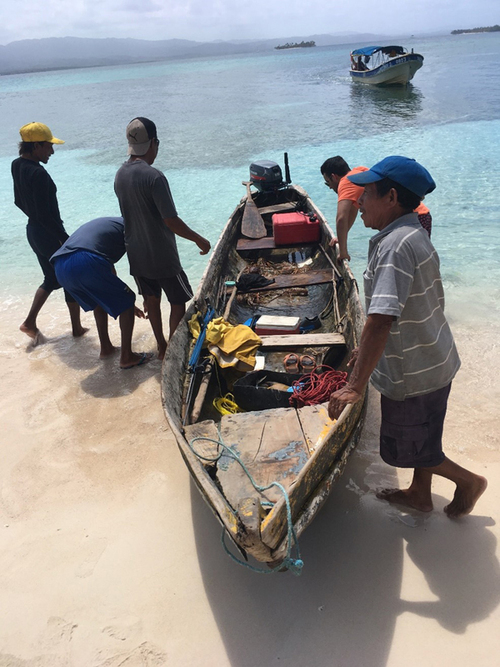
column 215, row 116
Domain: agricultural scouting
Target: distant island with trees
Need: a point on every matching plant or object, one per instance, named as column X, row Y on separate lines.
column 491, row 28
column 296, row 45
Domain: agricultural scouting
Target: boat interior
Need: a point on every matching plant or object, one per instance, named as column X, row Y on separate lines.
column 372, row 57
column 273, row 438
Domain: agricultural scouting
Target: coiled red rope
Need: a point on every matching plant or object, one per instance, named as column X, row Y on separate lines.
column 315, row 387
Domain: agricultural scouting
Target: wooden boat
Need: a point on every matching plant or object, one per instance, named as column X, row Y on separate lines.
column 301, row 449
column 384, row 65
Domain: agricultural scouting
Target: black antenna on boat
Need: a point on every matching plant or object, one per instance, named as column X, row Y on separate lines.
column 288, row 180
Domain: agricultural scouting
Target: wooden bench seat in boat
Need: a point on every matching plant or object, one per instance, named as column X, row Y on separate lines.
column 266, row 243
column 295, row 280
column 303, row 340
column 274, row 445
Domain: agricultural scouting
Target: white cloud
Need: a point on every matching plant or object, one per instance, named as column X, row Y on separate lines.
column 206, row 20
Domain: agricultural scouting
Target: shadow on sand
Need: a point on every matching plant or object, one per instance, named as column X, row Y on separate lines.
column 343, row 610
column 106, row 379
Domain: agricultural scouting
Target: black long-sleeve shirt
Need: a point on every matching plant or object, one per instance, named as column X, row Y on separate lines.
column 35, row 194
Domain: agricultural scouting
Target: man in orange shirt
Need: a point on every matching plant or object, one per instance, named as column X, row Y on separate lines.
column 424, row 217
column 335, row 171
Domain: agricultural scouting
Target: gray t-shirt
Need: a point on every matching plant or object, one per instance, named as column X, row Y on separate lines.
column 402, row 279
column 145, row 200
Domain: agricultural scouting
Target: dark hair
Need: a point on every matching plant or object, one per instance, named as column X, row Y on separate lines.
column 149, row 125
column 406, row 198
column 27, row 146
column 335, row 165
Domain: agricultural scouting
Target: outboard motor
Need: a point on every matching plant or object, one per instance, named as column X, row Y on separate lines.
column 266, row 175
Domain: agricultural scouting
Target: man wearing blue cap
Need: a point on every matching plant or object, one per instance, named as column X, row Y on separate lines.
column 406, row 348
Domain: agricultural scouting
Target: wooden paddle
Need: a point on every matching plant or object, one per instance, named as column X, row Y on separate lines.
column 252, row 224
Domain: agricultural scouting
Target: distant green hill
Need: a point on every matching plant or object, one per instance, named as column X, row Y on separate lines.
column 491, row 28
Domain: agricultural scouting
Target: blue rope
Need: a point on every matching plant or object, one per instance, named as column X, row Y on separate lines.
column 294, row 564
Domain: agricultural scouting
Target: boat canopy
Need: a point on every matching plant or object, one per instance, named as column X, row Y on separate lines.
column 386, row 50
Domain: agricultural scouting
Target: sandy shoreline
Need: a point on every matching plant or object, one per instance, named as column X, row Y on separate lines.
column 109, row 557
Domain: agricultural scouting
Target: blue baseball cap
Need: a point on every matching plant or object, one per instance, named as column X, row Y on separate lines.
column 403, row 170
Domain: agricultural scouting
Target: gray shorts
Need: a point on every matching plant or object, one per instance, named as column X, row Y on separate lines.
column 411, row 430
column 177, row 288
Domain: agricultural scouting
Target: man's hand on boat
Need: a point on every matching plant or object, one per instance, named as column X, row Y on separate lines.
column 340, row 255
column 365, row 358
column 340, row 399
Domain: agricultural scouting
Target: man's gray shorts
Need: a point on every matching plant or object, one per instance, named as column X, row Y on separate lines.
column 411, row 430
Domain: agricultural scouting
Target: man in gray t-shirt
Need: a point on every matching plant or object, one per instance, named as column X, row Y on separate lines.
column 406, row 346
column 151, row 225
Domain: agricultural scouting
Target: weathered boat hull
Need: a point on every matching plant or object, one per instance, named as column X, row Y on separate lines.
column 262, row 533
column 395, row 72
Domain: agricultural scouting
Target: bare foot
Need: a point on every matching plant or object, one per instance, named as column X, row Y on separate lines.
column 138, row 360
column 80, row 331
column 465, row 498
column 32, row 332
column 406, row 497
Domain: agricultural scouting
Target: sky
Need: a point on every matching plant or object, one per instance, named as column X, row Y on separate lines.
column 209, row 20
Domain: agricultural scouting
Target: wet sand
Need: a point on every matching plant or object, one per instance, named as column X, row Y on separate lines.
column 109, row 557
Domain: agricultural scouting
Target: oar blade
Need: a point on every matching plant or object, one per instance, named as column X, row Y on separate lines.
column 252, row 224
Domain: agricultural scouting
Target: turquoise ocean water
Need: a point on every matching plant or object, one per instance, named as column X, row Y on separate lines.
column 215, row 116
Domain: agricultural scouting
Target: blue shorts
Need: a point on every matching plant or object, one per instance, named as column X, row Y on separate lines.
column 89, row 278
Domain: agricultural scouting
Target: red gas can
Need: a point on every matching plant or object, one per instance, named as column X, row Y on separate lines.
column 292, row 228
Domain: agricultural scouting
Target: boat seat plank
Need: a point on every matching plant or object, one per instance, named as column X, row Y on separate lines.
column 278, row 208
column 204, row 429
column 256, row 244
column 272, row 447
column 297, row 280
column 303, row 340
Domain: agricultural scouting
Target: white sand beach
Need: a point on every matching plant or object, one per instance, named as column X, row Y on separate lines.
column 110, row 558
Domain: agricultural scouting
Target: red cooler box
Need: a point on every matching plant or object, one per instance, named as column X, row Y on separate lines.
column 292, row 228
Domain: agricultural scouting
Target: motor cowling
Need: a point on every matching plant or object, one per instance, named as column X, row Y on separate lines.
column 266, row 175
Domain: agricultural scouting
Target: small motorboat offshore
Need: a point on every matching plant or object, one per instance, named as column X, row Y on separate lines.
column 384, row 65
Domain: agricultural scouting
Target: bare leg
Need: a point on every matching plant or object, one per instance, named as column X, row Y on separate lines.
column 418, row 495
column 470, row 488
column 74, row 314
column 128, row 359
column 152, row 304
column 29, row 326
column 101, row 320
column 176, row 315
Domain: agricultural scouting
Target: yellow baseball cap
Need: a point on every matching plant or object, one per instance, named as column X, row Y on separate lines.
column 38, row 132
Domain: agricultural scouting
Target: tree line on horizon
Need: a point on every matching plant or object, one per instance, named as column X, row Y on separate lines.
column 295, row 45
column 491, row 28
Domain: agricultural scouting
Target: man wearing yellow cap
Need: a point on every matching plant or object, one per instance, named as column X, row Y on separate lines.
column 35, row 194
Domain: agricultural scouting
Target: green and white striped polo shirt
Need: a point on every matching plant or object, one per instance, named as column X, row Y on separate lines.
column 402, row 279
